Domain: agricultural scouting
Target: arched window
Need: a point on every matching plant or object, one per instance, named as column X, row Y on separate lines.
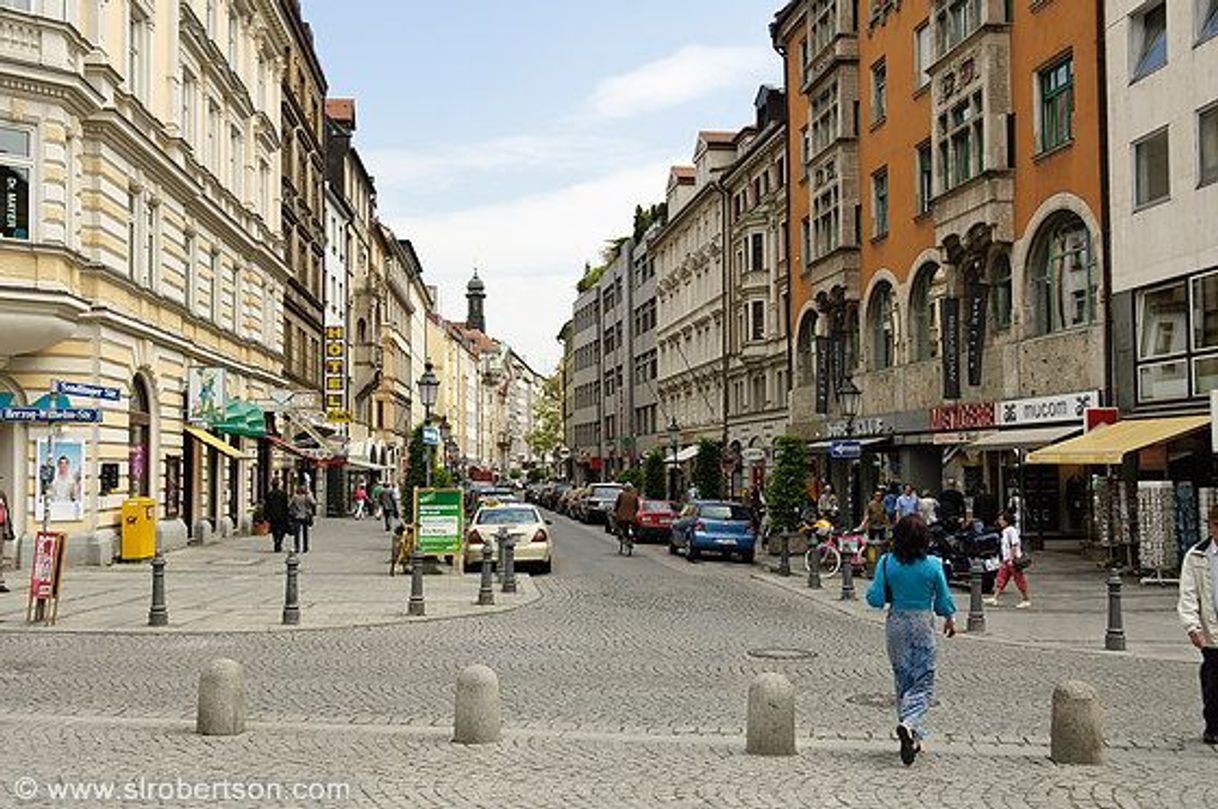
column 929, row 286
column 139, row 432
column 1062, row 275
column 805, row 350
column 882, row 320
column 361, row 331
column 1000, row 291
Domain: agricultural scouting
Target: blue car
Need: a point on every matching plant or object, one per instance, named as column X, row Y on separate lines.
column 715, row 526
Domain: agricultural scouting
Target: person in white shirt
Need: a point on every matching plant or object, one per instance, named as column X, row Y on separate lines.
column 1198, row 610
column 1012, row 551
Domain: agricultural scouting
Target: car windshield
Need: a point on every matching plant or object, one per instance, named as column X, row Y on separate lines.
column 724, row 511
column 605, row 491
column 506, row 516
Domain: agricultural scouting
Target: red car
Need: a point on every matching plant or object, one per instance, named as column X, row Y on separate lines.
column 655, row 520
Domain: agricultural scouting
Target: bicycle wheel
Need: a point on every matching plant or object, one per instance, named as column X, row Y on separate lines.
column 830, row 560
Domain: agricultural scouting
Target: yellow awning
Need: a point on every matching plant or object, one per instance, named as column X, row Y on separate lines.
column 216, row 444
column 1110, row 443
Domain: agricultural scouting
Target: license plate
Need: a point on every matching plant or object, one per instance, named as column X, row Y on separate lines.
column 725, row 541
column 992, row 564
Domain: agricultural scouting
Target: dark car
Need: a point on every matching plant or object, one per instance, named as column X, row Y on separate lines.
column 715, row 526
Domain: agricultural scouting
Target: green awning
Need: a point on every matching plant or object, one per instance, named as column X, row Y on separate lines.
column 242, row 418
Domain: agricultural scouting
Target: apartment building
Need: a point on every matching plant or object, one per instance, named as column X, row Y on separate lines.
column 616, row 310
column 647, row 425
column 586, row 445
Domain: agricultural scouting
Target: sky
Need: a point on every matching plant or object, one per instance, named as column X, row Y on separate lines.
column 518, row 137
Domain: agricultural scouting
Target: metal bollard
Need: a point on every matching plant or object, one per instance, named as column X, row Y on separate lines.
column 291, row 595
column 814, row 570
column 784, row 560
column 509, row 565
column 847, row 578
column 976, row 606
column 158, row 613
column 416, row 605
column 486, row 593
column 500, row 545
column 1114, row 638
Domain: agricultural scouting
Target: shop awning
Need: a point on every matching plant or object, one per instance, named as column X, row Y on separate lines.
column 360, row 463
column 683, row 455
column 242, row 418
column 216, row 444
column 287, row 447
column 1110, row 443
column 1025, row 438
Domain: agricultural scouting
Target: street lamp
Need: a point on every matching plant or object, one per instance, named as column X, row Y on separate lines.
column 674, row 437
column 429, row 385
column 850, row 396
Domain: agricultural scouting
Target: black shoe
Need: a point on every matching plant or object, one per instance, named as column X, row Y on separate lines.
column 3, row 588
column 909, row 748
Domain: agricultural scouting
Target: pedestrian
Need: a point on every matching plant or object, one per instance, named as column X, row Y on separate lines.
column 951, row 505
column 756, row 508
column 827, row 504
column 1012, row 563
column 389, row 506
column 875, row 519
column 915, row 586
column 907, row 503
column 928, row 508
column 7, row 534
column 361, row 500
column 276, row 511
column 890, row 502
column 1198, row 609
column 301, row 508
column 377, row 488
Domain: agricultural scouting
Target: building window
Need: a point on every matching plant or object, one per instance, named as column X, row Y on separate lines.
column 234, row 39
column 926, row 178
column 929, row 286
column 190, row 101
column 215, row 286
column 210, row 18
column 805, row 241
column 879, row 91
column 954, row 21
column 264, row 190
column 1207, row 138
column 1207, row 19
column 805, row 151
column 213, row 136
column 824, row 120
column 133, row 227
column 757, row 252
column 805, row 348
column 879, row 203
column 922, row 55
column 1063, row 275
column 822, row 24
column 1205, row 312
column 1056, row 104
column 962, row 146
column 1163, row 321
column 137, row 52
column 1149, row 40
column 1151, row 178
column 759, row 392
column 882, row 314
column 188, row 272
column 828, row 224
column 1000, row 292
column 757, row 320
column 16, row 165
column 236, row 161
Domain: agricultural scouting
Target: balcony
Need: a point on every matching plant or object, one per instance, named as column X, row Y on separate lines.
column 36, row 320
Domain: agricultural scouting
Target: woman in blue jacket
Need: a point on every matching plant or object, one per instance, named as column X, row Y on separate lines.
column 916, row 587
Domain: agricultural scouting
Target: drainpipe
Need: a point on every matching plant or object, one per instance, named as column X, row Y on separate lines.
column 786, row 161
column 1105, row 194
column 726, row 297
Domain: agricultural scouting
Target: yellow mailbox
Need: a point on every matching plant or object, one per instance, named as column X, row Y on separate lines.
column 139, row 528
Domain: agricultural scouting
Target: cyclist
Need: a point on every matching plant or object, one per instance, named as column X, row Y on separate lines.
column 626, row 514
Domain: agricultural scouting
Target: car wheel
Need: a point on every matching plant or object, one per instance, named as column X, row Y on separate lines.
column 747, row 557
column 672, row 547
column 546, row 566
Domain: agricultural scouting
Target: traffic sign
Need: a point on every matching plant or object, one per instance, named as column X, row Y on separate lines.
column 85, row 389
column 431, row 435
column 845, row 450
column 54, row 415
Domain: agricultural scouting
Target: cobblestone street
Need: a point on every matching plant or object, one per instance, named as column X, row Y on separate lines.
column 623, row 685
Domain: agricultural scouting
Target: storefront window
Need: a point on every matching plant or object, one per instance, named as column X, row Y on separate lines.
column 1163, row 381
column 1179, row 320
column 1205, row 375
column 1205, row 311
column 1163, row 321
column 15, row 166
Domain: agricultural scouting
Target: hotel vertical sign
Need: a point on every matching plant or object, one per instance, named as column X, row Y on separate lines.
column 334, row 377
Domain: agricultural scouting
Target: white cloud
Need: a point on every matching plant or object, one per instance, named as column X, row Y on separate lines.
column 692, row 72
column 530, row 251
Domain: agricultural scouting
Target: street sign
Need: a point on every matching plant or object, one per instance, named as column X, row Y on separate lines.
column 845, row 450
column 438, row 518
column 86, row 390
column 54, row 415
column 431, row 435
column 753, row 454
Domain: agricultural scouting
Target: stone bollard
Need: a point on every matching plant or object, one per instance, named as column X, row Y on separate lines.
column 1077, row 731
column 477, row 718
column 221, row 699
column 416, row 605
column 486, row 592
column 976, row 605
column 509, row 565
column 814, row 568
column 500, row 545
column 1114, row 636
column 771, row 720
column 291, row 592
column 847, row 578
column 784, row 560
column 158, row 613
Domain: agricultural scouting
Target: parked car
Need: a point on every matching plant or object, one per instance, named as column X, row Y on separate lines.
column 578, row 501
column 716, row 526
column 553, row 493
column 655, row 520
column 600, row 501
column 524, row 522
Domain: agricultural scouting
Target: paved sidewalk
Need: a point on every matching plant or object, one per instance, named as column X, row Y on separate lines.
column 237, row 585
column 1069, row 608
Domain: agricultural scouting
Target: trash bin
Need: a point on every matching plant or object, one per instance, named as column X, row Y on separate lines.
column 139, row 528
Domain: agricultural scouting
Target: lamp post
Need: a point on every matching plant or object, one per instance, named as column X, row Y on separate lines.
column 428, row 387
column 445, row 438
column 850, row 396
column 674, row 436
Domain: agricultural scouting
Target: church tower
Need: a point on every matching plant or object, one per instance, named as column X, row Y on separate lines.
column 475, row 293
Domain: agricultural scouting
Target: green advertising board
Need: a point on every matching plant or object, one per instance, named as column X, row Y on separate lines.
column 438, row 519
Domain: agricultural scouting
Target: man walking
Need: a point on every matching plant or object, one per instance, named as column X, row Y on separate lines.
column 389, row 506
column 276, row 511
column 907, row 503
column 1198, row 609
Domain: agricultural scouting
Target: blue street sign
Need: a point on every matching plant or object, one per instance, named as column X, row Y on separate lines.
column 54, row 415
column 85, row 389
column 845, row 450
column 431, row 435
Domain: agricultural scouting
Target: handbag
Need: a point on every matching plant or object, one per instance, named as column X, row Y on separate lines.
column 1022, row 562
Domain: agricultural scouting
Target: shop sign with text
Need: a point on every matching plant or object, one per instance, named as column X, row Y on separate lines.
column 1058, row 409
column 962, row 416
column 334, row 378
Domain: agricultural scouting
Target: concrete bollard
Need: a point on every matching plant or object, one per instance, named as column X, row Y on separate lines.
column 1077, row 730
column 509, row 565
column 976, row 605
column 416, row 605
column 1114, row 635
column 784, row 561
column 477, row 718
column 771, row 720
column 847, row 593
column 158, row 613
column 291, row 591
column 486, row 592
column 221, row 699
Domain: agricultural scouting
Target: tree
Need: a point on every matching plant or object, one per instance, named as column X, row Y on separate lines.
column 416, row 472
column 654, row 486
column 787, row 487
column 708, row 476
column 633, row 476
column 546, row 435
column 644, row 218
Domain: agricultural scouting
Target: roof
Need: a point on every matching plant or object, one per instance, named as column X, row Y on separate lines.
column 683, row 172
column 718, row 137
column 341, row 110
column 475, row 284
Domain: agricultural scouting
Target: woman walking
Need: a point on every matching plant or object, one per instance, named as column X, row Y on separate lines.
column 1012, row 565
column 301, row 508
column 7, row 534
column 916, row 587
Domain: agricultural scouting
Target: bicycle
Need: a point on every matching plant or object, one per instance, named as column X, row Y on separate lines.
column 828, row 553
column 402, row 549
column 625, row 539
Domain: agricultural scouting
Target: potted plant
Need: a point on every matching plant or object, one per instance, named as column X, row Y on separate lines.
column 261, row 525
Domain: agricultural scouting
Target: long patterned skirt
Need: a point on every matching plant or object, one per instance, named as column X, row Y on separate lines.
column 911, row 649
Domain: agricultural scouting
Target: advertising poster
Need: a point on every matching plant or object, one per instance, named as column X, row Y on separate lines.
column 205, row 396
column 438, row 518
column 63, row 465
